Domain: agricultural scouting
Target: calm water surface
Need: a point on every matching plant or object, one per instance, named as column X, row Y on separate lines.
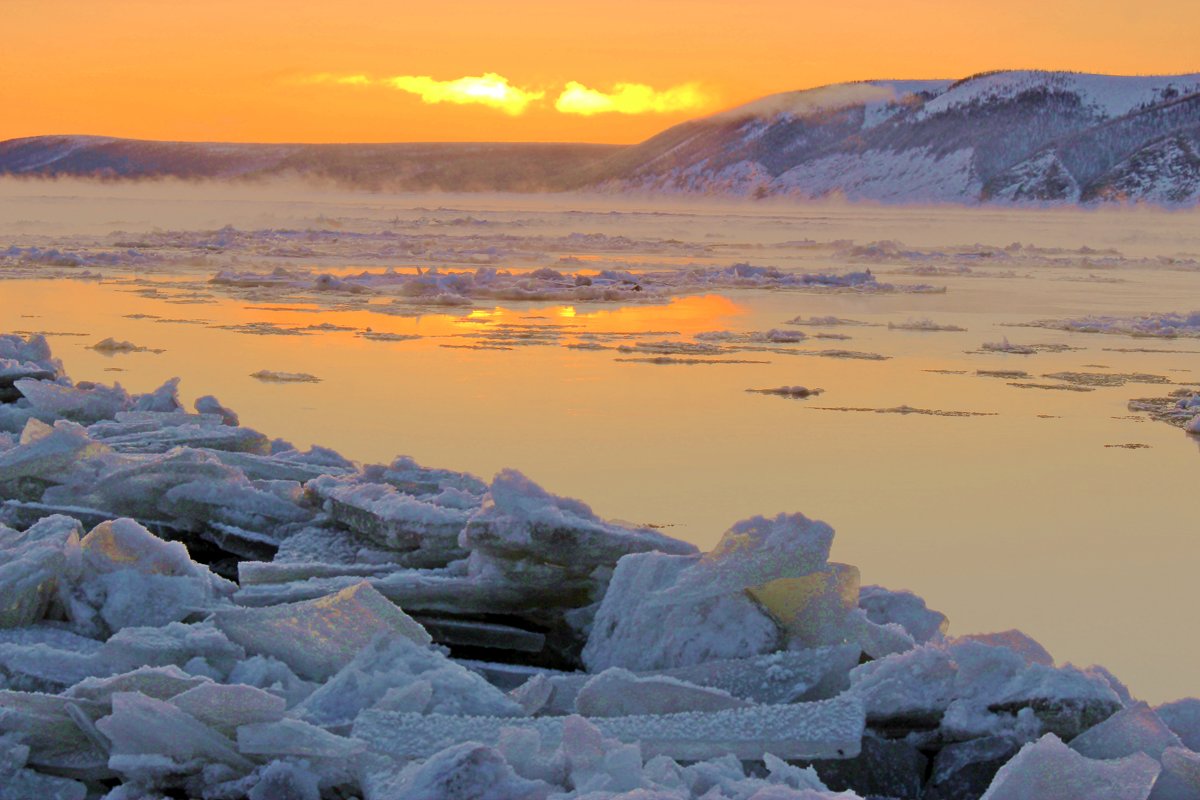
column 1022, row 519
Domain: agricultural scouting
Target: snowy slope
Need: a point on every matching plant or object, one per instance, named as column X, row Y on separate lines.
column 1110, row 96
column 1045, row 137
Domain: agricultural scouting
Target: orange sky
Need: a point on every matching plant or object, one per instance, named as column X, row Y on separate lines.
column 240, row 70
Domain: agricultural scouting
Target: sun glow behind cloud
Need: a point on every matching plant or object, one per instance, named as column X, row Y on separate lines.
column 495, row 91
column 629, row 98
column 488, row 89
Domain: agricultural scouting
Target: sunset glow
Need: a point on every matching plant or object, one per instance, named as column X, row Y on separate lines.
column 226, row 71
column 490, row 90
column 629, row 98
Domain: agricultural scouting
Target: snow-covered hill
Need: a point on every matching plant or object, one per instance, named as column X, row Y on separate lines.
column 1002, row 137
column 1008, row 136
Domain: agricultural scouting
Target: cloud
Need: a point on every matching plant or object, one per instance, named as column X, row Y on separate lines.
column 629, row 98
column 494, row 91
column 343, row 80
column 489, row 89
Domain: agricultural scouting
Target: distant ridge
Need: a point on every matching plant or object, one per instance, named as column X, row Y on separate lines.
column 446, row 166
column 999, row 137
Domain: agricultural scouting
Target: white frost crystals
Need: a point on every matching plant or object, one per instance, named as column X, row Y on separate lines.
column 399, row 631
column 1171, row 325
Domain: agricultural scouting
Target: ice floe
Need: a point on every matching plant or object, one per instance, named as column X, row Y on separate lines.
column 1160, row 326
column 271, row 376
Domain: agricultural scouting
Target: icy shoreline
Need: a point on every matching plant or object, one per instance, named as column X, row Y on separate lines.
column 193, row 609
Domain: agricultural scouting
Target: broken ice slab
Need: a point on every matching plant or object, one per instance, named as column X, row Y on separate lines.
column 464, row 770
column 1048, row 768
column 18, row 783
column 31, row 565
column 507, row 677
column 428, row 591
column 176, row 643
column 12, row 371
column 909, row 691
column 224, row 707
column 160, row 683
column 389, row 672
column 493, row 635
column 132, row 577
column 142, row 726
column 401, row 521
column 1067, row 701
column 1020, row 643
column 884, row 606
column 409, row 477
column 316, row 638
column 239, row 541
column 47, row 452
column 56, row 742
column 277, row 466
column 786, row 676
column 84, row 403
column 132, row 486
column 293, row 737
column 1136, row 729
column 1180, row 776
column 965, row 769
column 631, row 631
column 754, row 552
column 33, row 348
column 134, row 422
column 151, row 432
column 1183, row 717
column 23, row 784
column 876, row 641
column 45, row 658
column 23, row 514
column 124, row 544
column 618, row 692
column 824, row 729
column 266, row 572
column 520, row 520
column 240, row 503
column 812, row 608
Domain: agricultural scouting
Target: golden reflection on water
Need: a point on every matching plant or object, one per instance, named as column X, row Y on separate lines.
column 684, row 315
column 1021, row 520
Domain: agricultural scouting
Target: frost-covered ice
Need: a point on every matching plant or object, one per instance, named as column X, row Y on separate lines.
column 924, row 324
column 795, row 392
column 821, row 729
column 272, row 376
column 1048, row 768
column 437, row 287
column 382, row 614
column 316, row 638
column 1171, row 325
column 111, row 346
column 617, row 692
column 1005, row 346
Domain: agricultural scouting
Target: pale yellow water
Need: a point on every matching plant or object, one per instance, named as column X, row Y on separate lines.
column 1023, row 519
